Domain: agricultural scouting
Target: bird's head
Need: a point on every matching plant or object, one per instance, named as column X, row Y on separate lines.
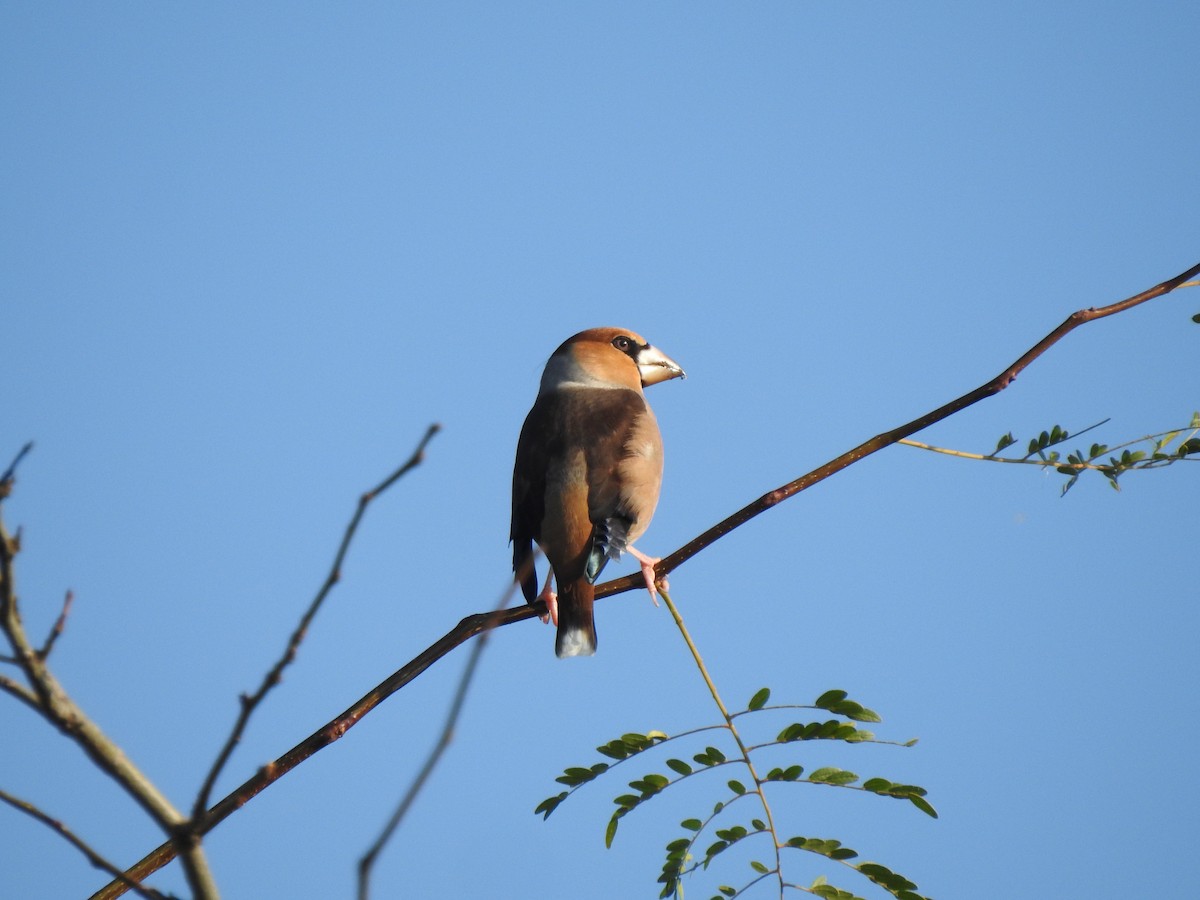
column 614, row 357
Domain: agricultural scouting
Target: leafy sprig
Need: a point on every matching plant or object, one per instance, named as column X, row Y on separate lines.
column 708, row 837
column 1111, row 462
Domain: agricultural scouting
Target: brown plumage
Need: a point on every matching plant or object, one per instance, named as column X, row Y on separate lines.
column 587, row 474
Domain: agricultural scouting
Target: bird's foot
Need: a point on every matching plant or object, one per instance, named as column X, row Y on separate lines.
column 551, row 599
column 648, row 574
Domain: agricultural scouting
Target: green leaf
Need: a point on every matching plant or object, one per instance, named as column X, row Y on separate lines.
column 923, row 805
column 1006, row 440
column 737, row 787
column 836, row 702
column 832, row 775
column 692, row 824
column 759, row 699
column 829, row 892
column 910, row 792
column 678, row 765
column 714, row 754
column 885, row 877
column 613, row 750
column 830, row 697
column 549, row 805
column 611, row 831
column 830, row 848
column 828, row 729
column 574, row 775
column 650, row 784
column 758, row 867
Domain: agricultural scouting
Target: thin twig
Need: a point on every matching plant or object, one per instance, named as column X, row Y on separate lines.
column 22, row 693
column 60, row 625
column 47, row 697
column 1027, row 460
column 273, row 677
column 991, row 388
column 472, row 625
column 92, row 856
column 366, row 864
column 10, row 473
column 745, row 751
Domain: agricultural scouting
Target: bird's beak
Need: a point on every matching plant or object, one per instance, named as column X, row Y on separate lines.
column 656, row 366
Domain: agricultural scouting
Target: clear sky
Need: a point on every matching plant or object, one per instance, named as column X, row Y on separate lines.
column 250, row 251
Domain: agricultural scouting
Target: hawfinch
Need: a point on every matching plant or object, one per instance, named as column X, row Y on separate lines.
column 588, row 471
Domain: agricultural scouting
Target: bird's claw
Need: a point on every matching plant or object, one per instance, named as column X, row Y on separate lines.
column 551, row 615
column 648, row 574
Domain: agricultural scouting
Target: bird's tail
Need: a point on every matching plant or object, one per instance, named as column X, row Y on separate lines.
column 576, row 626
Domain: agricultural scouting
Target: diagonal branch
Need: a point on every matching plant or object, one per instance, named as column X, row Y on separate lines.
column 887, row 438
column 367, row 863
column 250, row 702
column 92, row 856
column 60, row 625
column 10, row 473
column 472, row 625
column 49, row 699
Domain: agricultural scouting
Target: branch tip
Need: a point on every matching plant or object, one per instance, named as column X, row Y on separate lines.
column 10, row 473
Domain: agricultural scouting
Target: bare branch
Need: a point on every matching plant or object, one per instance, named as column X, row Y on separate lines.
column 991, row 388
column 22, row 693
column 273, row 677
column 475, row 624
column 446, row 737
column 48, row 698
column 60, row 625
column 10, row 473
column 92, row 856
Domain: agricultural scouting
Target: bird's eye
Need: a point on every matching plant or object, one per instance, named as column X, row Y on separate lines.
column 622, row 343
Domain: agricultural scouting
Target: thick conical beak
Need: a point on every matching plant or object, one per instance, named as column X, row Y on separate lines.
column 655, row 366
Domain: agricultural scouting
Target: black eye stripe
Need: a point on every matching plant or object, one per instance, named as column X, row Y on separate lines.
column 628, row 346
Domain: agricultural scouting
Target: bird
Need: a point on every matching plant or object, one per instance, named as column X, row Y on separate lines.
column 587, row 474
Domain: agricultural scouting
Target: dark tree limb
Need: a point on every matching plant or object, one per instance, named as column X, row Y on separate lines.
column 250, row 702
column 92, row 856
column 46, row 696
column 473, row 625
column 367, row 863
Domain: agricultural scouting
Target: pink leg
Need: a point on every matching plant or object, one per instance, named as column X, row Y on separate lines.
column 551, row 599
column 648, row 563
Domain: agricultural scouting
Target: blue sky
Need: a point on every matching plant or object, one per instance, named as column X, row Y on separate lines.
column 251, row 252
